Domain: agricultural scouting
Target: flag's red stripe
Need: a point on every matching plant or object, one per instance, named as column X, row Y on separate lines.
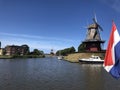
column 108, row 57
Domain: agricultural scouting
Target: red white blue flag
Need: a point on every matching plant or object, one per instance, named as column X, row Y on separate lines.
column 112, row 56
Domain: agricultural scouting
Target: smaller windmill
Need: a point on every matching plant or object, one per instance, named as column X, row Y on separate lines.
column 52, row 52
column 93, row 40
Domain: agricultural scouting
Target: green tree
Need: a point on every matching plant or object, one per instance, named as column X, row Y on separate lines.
column 41, row 52
column 72, row 50
column 66, row 51
column 26, row 49
column 81, row 47
column 4, row 52
column 37, row 52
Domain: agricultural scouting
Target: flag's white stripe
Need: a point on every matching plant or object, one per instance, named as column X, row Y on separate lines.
column 108, row 68
column 116, row 40
column 116, row 37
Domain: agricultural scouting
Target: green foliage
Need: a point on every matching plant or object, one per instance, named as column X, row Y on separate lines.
column 26, row 49
column 81, row 47
column 66, row 51
column 28, row 56
column 37, row 52
column 4, row 52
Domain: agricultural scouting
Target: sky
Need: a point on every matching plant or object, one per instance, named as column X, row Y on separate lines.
column 54, row 24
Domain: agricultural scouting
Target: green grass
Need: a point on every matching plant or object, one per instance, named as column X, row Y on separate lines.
column 76, row 56
column 5, row 57
column 18, row 56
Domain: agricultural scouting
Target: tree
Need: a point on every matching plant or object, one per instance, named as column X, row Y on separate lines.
column 37, row 52
column 41, row 52
column 81, row 47
column 25, row 49
column 4, row 52
column 66, row 51
column 72, row 50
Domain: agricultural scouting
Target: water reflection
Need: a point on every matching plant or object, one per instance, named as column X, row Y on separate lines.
column 96, row 78
column 92, row 76
column 52, row 74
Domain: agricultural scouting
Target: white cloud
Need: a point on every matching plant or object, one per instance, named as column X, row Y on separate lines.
column 39, row 42
column 35, row 37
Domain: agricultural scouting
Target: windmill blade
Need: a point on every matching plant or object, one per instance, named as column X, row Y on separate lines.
column 94, row 21
column 100, row 27
column 97, row 24
column 95, row 34
column 99, row 38
column 84, row 27
column 95, row 17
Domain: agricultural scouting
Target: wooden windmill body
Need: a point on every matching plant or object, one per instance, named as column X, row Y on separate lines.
column 93, row 40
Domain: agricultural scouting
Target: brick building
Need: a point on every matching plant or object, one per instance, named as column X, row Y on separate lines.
column 16, row 50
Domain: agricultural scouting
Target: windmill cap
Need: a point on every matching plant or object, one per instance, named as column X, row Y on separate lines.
column 93, row 26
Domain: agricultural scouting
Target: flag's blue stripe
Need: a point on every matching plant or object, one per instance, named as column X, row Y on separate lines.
column 115, row 71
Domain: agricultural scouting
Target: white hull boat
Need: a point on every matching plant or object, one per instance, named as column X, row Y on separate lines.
column 92, row 59
column 60, row 57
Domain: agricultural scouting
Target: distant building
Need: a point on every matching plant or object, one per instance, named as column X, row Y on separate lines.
column 16, row 50
column 1, row 51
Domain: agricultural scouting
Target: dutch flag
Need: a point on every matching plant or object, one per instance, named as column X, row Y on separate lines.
column 112, row 56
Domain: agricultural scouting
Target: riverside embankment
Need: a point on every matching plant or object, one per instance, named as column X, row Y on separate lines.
column 76, row 56
column 19, row 56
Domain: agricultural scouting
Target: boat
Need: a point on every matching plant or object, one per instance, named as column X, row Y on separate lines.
column 60, row 57
column 92, row 59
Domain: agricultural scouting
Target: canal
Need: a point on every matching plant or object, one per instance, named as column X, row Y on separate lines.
column 52, row 74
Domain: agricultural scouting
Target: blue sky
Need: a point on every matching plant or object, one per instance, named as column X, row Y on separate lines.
column 54, row 24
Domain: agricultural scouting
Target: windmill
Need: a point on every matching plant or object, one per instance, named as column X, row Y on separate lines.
column 94, row 29
column 93, row 40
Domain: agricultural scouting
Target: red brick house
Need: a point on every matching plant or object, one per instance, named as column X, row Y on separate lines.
column 16, row 50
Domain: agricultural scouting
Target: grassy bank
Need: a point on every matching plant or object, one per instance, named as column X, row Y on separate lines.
column 76, row 56
column 18, row 56
column 6, row 57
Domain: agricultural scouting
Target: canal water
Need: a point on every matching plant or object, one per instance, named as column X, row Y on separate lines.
column 52, row 74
